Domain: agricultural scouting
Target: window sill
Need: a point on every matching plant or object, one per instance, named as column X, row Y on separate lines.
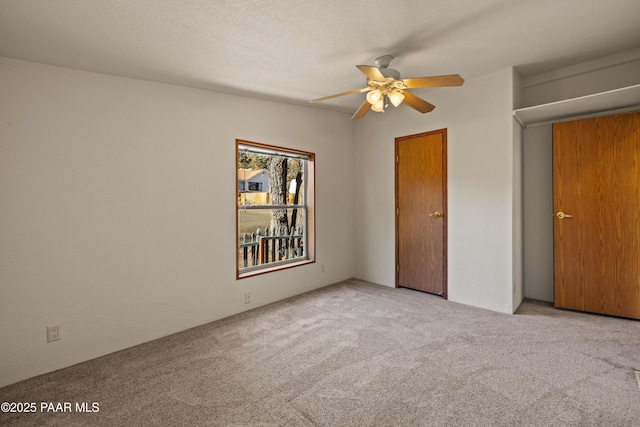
column 244, row 275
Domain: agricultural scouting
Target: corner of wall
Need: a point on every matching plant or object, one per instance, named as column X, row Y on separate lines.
column 517, row 89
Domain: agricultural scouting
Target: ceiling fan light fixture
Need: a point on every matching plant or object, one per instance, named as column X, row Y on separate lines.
column 374, row 96
column 378, row 107
column 396, row 97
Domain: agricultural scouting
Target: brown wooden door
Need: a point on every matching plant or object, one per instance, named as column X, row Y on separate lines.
column 596, row 180
column 421, row 211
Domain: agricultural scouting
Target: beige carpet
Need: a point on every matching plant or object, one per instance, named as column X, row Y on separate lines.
column 357, row 354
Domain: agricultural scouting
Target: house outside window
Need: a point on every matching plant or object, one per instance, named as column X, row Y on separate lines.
column 253, row 180
column 275, row 208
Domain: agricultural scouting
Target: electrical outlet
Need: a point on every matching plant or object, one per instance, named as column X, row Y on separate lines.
column 322, row 268
column 247, row 297
column 53, row 333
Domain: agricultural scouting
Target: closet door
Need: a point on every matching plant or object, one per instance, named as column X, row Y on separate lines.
column 596, row 192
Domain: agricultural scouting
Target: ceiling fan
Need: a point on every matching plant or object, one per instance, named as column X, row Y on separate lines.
column 384, row 84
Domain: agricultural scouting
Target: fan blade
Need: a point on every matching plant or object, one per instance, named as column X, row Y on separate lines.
column 364, row 109
column 364, row 89
column 372, row 73
column 416, row 103
column 434, row 81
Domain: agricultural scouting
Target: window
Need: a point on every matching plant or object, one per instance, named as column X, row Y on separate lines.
column 275, row 212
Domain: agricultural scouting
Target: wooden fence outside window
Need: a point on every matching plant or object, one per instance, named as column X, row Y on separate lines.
column 265, row 246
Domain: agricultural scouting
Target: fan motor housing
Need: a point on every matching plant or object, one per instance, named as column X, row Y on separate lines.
column 382, row 64
column 390, row 73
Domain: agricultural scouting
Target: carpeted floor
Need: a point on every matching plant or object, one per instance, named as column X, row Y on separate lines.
column 358, row 354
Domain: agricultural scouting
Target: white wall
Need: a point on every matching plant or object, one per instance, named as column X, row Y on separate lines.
column 518, row 197
column 117, row 197
column 538, row 217
column 478, row 117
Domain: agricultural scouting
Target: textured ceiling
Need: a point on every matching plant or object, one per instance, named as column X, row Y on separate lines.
column 297, row 50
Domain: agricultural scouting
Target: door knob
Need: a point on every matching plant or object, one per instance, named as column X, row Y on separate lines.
column 562, row 215
column 436, row 214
